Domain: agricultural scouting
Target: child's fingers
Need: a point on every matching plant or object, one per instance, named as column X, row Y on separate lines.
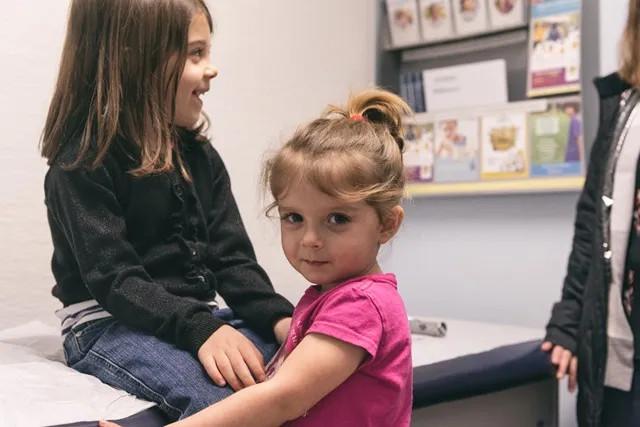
column 573, row 374
column 546, row 346
column 255, row 362
column 103, row 423
column 226, row 369
column 241, row 369
column 258, row 356
column 210, row 366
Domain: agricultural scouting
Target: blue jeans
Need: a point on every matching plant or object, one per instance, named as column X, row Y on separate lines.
column 148, row 367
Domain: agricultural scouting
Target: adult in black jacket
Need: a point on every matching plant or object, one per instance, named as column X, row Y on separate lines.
column 593, row 335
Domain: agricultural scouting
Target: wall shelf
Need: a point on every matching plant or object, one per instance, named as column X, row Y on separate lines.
column 463, row 46
column 489, row 39
column 529, row 185
column 510, row 45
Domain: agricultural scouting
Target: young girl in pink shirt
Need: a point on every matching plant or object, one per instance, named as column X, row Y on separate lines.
column 337, row 186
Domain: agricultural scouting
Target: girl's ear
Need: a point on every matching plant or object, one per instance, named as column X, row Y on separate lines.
column 391, row 224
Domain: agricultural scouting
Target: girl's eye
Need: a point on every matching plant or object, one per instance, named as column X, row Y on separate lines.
column 198, row 53
column 338, row 219
column 291, row 218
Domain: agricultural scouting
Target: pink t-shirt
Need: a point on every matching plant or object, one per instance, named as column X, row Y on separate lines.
column 369, row 313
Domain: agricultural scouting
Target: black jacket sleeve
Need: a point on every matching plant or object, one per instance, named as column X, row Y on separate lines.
column 84, row 205
column 242, row 283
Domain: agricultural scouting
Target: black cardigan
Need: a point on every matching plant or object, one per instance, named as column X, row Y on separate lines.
column 151, row 250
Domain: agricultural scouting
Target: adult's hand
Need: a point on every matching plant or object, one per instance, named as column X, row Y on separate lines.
column 566, row 363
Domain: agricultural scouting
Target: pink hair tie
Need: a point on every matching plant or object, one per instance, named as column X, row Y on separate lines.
column 357, row 117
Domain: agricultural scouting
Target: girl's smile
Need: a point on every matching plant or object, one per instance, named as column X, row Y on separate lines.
column 197, row 73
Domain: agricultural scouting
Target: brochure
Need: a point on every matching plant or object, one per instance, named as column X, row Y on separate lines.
column 436, row 20
column 403, row 22
column 419, row 142
column 554, row 47
column 556, row 135
column 506, row 13
column 470, row 16
column 457, row 150
column 504, row 146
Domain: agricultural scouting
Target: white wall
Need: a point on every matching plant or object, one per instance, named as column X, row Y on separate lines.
column 497, row 259
column 30, row 42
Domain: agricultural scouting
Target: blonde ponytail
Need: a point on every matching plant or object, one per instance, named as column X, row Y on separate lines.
column 376, row 106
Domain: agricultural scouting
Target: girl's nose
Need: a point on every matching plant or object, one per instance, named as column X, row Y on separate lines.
column 311, row 239
column 210, row 72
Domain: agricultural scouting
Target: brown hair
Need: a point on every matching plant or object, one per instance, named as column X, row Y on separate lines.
column 352, row 152
column 121, row 64
column 630, row 46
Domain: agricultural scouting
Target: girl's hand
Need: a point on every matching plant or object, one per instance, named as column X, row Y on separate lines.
column 107, row 424
column 565, row 361
column 281, row 329
column 230, row 358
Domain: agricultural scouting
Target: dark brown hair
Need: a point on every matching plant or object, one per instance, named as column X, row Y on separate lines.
column 352, row 152
column 119, row 72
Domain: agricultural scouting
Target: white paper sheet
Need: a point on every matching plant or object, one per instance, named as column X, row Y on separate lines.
column 38, row 389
